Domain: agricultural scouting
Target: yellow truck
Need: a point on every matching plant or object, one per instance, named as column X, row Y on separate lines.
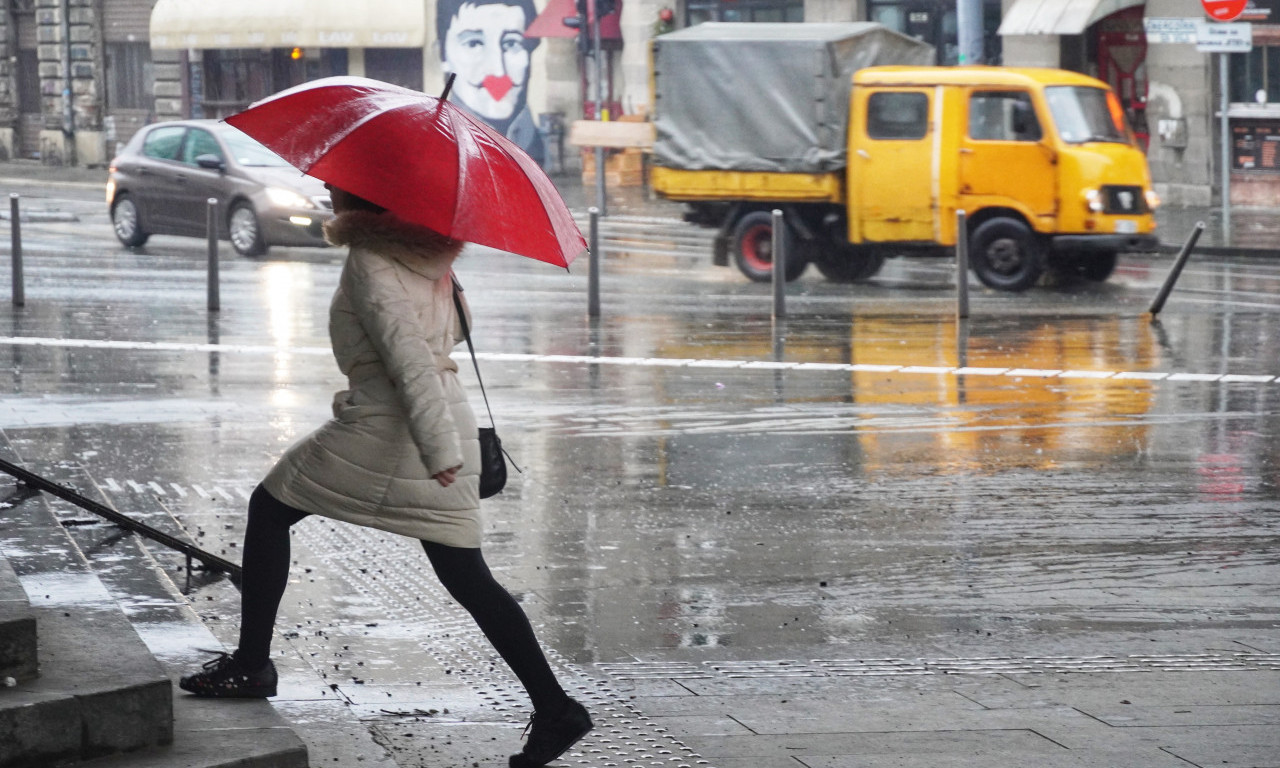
column 869, row 161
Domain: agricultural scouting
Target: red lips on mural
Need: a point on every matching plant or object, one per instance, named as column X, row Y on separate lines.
column 497, row 86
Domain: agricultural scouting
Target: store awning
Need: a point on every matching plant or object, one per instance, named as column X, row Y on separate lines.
column 178, row 24
column 1058, row 17
column 550, row 23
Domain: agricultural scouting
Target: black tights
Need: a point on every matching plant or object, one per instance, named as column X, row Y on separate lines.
column 462, row 571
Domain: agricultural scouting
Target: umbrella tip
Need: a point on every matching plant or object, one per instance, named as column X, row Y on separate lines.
column 448, row 86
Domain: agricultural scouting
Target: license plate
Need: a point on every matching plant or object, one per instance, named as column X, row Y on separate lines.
column 1126, row 226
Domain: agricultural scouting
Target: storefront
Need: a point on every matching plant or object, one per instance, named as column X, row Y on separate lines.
column 1254, row 111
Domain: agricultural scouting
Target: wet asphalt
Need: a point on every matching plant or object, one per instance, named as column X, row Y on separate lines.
column 868, row 534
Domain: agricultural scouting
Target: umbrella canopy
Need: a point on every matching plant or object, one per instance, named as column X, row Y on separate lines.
column 420, row 157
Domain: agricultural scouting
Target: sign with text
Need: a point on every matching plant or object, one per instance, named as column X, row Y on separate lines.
column 1224, row 38
column 1255, row 145
column 1170, row 30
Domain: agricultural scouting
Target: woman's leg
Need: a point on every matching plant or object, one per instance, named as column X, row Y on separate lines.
column 266, row 573
column 466, row 575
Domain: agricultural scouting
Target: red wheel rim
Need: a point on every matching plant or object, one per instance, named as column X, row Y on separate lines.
column 757, row 248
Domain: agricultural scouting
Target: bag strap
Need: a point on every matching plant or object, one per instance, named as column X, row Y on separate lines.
column 466, row 334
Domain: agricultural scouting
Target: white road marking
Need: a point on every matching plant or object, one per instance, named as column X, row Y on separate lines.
column 673, row 362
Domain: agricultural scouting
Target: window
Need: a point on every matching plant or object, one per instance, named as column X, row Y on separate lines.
column 897, row 115
column 1002, row 116
column 163, row 143
column 1255, row 76
column 698, row 11
column 129, row 77
column 200, row 143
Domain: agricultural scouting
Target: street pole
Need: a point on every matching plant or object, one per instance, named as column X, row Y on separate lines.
column 969, row 31
column 1224, row 99
column 779, row 254
column 15, row 240
column 593, row 272
column 599, row 99
column 215, row 302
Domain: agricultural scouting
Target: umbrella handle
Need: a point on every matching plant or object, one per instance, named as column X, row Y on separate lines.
column 448, row 86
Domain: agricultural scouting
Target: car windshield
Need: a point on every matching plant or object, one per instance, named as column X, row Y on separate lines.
column 1084, row 114
column 246, row 151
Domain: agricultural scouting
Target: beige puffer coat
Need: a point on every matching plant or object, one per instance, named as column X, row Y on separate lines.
column 405, row 416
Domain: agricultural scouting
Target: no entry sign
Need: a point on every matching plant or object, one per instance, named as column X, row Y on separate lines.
column 1224, row 10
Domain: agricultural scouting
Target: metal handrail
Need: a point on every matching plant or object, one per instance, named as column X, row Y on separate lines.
column 208, row 559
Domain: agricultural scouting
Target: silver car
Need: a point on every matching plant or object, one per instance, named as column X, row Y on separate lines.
column 161, row 181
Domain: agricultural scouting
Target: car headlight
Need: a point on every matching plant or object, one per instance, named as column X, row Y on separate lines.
column 1153, row 200
column 1093, row 200
column 287, row 198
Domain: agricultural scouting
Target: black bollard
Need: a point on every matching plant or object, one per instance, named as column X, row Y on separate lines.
column 15, row 240
column 962, row 265
column 779, row 255
column 1178, row 264
column 214, row 300
column 593, row 270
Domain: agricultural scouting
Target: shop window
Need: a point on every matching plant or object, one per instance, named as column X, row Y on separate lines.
column 129, row 78
column 934, row 22
column 893, row 115
column 1255, row 76
column 698, row 11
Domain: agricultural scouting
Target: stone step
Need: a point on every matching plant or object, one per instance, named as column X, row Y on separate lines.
column 99, row 690
column 18, row 650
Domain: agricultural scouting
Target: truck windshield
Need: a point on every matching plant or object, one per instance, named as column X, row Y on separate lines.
column 1084, row 114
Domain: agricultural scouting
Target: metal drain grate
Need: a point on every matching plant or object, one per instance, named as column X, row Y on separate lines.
column 991, row 665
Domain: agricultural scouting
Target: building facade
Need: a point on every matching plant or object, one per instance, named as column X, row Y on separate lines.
column 78, row 77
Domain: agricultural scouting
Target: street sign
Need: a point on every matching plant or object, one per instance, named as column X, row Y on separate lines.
column 1224, row 10
column 1224, row 38
column 1170, row 30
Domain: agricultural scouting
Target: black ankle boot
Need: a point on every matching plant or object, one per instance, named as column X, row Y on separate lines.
column 225, row 677
column 551, row 735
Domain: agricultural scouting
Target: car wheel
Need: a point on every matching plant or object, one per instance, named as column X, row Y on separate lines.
column 127, row 223
column 244, row 231
column 848, row 263
column 1006, row 255
column 753, row 249
column 1095, row 267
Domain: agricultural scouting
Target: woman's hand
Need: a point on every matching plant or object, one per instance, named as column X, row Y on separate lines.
column 446, row 477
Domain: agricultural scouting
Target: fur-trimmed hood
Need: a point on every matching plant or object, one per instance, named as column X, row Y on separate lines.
column 418, row 248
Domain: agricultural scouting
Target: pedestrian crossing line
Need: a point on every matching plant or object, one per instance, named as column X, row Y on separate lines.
column 676, row 362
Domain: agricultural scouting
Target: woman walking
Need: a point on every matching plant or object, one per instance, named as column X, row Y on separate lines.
column 401, row 455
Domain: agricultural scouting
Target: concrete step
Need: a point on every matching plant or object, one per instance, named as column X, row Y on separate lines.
column 99, row 690
column 205, row 733
column 18, row 650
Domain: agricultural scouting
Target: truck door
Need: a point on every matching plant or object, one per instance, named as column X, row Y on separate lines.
column 892, row 165
column 1004, row 157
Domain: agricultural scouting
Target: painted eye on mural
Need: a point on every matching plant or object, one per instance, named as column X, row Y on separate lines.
column 512, row 41
column 471, row 38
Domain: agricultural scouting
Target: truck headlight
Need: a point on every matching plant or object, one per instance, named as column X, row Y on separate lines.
column 287, row 198
column 1153, row 200
column 1093, row 201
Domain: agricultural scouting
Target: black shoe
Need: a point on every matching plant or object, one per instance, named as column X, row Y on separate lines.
column 550, row 736
column 224, row 677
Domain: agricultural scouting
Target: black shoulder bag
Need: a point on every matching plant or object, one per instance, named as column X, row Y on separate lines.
column 493, row 457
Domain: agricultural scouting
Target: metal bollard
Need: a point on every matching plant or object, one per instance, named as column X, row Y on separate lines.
column 1178, row 264
column 962, row 265
column 779, row 253
column 593, row 270
column 15, row 240
column 214, row 302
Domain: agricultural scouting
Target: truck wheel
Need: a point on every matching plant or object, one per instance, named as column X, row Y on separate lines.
column 848, row 263
column 1006, row 255
column 753, row 249
column 1096, row 267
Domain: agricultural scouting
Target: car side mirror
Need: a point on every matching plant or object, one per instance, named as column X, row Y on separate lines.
column 211, row 162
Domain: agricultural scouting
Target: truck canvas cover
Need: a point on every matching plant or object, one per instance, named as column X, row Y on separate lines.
column 764, row 97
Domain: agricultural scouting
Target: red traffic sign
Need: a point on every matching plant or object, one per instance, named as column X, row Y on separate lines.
column 1224, row 10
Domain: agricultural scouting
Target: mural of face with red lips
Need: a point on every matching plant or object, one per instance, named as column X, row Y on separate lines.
column 485, row 46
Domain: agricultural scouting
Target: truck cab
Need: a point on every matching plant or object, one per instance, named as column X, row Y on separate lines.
column 1041, row 161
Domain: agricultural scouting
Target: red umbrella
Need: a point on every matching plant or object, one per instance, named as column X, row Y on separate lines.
column 420, row 157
